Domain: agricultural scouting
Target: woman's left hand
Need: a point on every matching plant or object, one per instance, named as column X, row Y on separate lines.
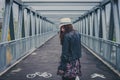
column 60, row 72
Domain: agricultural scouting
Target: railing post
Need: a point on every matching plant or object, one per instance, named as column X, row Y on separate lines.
column 116, row 19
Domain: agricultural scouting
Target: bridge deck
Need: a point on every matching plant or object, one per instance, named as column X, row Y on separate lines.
column 46, row 59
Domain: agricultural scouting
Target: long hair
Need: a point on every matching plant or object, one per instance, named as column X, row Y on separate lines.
column 68, row 28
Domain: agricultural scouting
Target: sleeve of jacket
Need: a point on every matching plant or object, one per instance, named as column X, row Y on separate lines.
column 65, row 49
column 65, row 53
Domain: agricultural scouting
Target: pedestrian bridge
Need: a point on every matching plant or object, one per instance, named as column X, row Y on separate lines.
column 29, row 39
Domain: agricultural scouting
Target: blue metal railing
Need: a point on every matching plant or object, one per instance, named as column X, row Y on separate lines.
column 12, row 51
column 109, row 51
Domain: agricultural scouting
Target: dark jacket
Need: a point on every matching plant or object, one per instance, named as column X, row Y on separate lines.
column 71, row 48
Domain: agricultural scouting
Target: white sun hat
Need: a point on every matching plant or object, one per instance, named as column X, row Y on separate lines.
column 65, row 21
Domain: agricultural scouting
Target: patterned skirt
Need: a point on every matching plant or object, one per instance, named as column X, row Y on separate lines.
column 73, row 69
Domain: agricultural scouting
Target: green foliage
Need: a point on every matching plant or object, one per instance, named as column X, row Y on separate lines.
column 114, row 39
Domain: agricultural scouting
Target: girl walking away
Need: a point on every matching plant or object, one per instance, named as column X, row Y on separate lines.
column 70, row 66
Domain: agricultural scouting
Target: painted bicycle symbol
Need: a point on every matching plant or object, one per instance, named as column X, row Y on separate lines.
column 44, row 74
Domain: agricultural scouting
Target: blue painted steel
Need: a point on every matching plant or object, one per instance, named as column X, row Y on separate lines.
column 106, row 49
column 25, row 45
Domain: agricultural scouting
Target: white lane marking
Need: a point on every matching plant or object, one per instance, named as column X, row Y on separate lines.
column 97, row 75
